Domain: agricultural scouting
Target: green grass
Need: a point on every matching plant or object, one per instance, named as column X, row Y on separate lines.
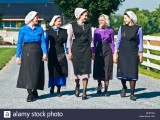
column 150, row 73
column 5, row 55
column 155, row 34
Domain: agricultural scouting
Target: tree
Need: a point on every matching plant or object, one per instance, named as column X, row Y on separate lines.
column 149, row 21
column 1, row 17
column 95, row 8
column 115, row 22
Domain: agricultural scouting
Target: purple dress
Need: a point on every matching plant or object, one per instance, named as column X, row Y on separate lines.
column 103, row 49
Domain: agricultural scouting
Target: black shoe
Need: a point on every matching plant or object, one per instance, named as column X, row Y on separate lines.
column 84, row 97
column 58, row 94
column 35, row 94
column 123, row 92
column 106, row 94
column 51, row 91
column 30, row 98
column 77, row 91
column 99, row 89
column 132, row 97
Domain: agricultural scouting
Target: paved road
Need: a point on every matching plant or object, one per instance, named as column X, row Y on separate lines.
column 148, row 93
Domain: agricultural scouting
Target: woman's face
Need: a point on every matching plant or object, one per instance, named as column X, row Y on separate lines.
column 84, row 16
column 58, row 22
column 127, row 20
column 35, row 20
column 102, row 21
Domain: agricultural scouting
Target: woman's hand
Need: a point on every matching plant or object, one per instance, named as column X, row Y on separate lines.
column 45, row 57
column 18, row 61
column 140, row 58
column 93, row 56
column 70, row 55
column 115, row 59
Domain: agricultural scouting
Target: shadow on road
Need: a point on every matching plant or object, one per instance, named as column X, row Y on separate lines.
column 115, row 92
column 148, row 95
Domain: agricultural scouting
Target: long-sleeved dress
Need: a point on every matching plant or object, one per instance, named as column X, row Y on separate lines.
column 129, row 43
column 57, row 62
column 103, row 49
column 30, row 48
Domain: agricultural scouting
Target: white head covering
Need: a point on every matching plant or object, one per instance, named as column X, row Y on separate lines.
column 53, row 20
column 107, row 19
column 132, row 15
column 78, row 12
column 30, row 16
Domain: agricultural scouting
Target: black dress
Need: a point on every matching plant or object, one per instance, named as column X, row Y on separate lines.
column 31, row 74
column 128, row 57
column 81, row 49
column 103, row 63
column 57, row 62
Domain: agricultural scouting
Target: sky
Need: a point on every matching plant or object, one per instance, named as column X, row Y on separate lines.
column 141, row 4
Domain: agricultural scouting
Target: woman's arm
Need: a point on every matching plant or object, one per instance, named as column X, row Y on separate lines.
column 140, row 46
column 69, row 41
column 44, row 46
column 117, row 46
column 19, row 46
column 19, row 43
column 112, row 42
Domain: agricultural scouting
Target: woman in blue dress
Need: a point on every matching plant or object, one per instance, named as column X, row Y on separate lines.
column 57, row 62
column 31, row 52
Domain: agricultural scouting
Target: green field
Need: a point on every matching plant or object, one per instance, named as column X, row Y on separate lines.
column 155, row 34
column 6, row 55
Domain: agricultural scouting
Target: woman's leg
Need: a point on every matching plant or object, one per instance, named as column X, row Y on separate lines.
column 99, row 87
column 30, row 96
column 77, row 87
column 85, row 83
column 35, row 94
column 124, row 88
column 132, row 86
column 106, row 84
column 52, row 90
column 58, row 91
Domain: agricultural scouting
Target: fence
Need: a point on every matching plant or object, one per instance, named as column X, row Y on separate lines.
column 148, row 46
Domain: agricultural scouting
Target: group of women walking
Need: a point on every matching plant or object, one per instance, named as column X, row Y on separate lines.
column 82, row 47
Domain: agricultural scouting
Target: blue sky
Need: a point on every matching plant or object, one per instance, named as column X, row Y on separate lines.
column 141, row 4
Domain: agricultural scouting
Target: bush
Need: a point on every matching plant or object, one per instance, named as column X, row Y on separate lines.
column 5, row 43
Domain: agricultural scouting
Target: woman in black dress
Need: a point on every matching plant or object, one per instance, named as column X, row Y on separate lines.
column 80, row 51
column 57, row 62
column 31, row 52
column 130, row 46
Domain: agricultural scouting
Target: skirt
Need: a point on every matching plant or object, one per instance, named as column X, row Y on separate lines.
column 57, row 66
column 103, row 63
column 81, row 58
column 127, row 67
column 31, row 74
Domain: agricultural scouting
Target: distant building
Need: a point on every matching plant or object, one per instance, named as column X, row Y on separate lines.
column 14, row 12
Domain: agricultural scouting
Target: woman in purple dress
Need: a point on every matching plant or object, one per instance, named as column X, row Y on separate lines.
column 103, row 49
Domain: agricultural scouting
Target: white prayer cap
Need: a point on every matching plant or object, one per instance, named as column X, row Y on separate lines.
column 78, row 12
column 53, row 20
column 132, row 15
column 107, row 19
column 30, row 16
